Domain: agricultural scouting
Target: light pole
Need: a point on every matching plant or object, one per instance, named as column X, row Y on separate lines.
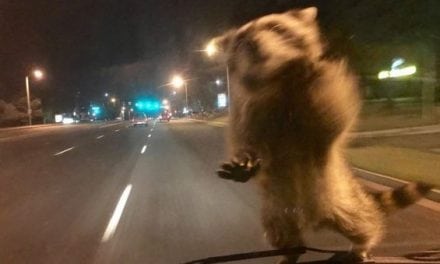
column 38, row 75
column 211, row 50
column 177, row 81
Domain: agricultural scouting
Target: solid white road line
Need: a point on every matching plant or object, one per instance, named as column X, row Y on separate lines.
column 101, row 136
column 63, row 151
column 114, row 220
column 143, row 149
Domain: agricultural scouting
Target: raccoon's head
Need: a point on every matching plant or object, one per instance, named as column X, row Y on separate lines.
column 263, row 47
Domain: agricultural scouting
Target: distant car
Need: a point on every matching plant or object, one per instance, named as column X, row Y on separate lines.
column 165, row 116
column 139, row 120
column 68, row 120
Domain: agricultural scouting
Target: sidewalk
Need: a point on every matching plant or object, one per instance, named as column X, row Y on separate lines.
column 5, row 129
column 223, row 122
column 399, row 131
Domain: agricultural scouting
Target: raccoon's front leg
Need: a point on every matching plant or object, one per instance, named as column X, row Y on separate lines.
column 241, row 168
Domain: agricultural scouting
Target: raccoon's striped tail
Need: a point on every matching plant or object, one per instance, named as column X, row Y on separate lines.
column 392, row 200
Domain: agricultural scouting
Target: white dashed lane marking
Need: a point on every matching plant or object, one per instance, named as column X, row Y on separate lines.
column 63, row 151
column 117, row 213
column 143, row 149
column 99, row 137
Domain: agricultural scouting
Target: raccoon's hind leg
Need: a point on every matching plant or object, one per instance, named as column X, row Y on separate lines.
column 362, row 224
column 281, row 231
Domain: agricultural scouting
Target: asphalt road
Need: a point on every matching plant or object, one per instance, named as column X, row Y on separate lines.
column 108, row 193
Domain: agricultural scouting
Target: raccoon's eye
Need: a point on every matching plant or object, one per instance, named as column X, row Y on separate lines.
column 240, row 39
column 279, row 29
column 248, row 47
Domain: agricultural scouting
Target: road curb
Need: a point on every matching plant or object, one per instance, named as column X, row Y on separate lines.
column 433, row 195
column 406, row 131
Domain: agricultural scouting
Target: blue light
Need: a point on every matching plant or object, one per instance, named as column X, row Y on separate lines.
column 96, row 110
column 147, row 105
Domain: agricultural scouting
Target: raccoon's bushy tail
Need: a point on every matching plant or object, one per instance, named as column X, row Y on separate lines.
column 392, row 200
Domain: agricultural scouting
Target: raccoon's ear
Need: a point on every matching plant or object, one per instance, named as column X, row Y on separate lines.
column 307, row 14
column 222, row 43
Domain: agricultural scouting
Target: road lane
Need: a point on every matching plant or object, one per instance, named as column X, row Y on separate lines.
column 178, row 210
column 55, row 209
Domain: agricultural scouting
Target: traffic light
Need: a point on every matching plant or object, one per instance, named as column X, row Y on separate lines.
column 147, row 105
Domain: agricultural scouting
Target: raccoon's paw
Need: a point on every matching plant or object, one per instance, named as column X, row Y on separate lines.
column 239, row 169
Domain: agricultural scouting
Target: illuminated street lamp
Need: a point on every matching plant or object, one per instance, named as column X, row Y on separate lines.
column 106, row 94
column 38, row 74
column 212, row 50
column 113, row 100
column 177, row 82
column 165, row 102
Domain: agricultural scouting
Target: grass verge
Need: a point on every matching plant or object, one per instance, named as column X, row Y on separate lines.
column 402, row 163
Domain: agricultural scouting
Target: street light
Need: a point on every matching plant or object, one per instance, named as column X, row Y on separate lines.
column 212, row 50
column 113, row 100
column 38, row 74
column 177, row 81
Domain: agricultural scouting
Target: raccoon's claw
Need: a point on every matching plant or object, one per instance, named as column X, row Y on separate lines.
column 240, row 171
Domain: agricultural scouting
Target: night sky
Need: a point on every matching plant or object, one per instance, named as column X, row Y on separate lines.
column 131, row 47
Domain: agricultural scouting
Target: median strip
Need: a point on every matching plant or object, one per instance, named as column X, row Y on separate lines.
column 117, row 213
column 63, row 151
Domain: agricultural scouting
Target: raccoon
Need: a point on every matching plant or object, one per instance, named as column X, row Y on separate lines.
column 292, row 108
